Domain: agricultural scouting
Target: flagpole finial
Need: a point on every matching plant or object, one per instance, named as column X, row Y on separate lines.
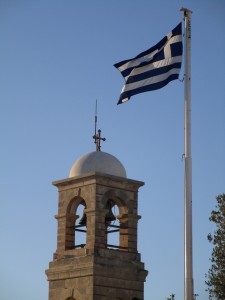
column 185, row 11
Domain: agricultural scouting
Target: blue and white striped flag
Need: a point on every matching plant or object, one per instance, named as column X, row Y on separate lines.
column 153, row 68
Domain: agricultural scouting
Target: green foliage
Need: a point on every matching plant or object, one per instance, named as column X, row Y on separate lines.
column 171, row 297
column 216, row 274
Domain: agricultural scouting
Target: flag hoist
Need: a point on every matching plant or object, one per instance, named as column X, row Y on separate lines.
column 151, row 70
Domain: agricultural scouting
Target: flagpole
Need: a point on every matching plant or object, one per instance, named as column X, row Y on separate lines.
column 188, row 260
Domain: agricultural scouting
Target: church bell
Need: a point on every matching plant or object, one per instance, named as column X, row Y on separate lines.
column 83, row 219
column 109, row 216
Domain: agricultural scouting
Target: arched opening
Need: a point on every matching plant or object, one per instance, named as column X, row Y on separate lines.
column 76, row 224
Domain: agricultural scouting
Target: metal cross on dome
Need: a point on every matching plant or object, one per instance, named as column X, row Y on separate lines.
column 98, row 139
column 97, row 136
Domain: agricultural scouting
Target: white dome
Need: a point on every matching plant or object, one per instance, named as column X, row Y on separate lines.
column 98, row 161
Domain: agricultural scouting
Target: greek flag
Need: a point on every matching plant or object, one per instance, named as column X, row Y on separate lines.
column 153, row 68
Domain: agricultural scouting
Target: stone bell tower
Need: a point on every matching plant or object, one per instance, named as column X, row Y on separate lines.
column 99, row 267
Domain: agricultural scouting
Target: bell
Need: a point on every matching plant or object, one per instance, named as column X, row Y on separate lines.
column 109, row 216
column 83, row 220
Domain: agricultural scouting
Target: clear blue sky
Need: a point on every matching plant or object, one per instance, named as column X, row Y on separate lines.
column 56, row 58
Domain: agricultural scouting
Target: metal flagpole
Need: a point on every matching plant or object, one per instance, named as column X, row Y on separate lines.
column 188, row 261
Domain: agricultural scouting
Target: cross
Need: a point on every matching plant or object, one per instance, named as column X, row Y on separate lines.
column 98, row 139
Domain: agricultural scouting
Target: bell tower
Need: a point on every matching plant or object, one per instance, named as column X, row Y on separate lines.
column 95, row 203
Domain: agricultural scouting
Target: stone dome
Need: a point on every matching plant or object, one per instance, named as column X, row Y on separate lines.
column 98, row 161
